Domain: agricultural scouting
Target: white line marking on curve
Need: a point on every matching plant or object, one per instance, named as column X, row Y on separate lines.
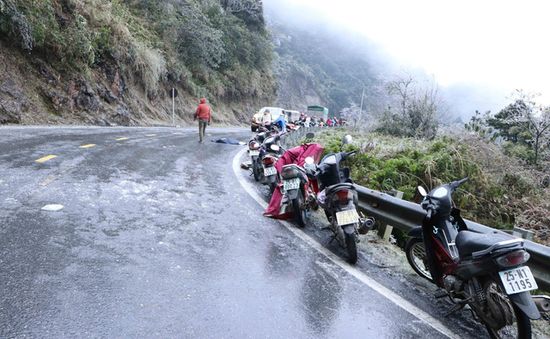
column 359, row 275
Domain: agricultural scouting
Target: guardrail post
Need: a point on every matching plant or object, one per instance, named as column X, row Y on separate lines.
column 522, row 233
column 385, row 230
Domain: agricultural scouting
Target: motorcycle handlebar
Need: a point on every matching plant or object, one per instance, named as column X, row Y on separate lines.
column 456, row 184
column 429, row 213
column 348, row 154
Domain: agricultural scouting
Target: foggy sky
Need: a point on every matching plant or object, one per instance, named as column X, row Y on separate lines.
column 497, row 46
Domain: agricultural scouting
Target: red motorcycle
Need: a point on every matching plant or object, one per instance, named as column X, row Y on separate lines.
column 487, row 272
column 300, row 190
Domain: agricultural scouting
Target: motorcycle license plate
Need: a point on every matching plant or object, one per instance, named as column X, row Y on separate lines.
column 347, row 217
column 270, row 171
column 254, row 153
column 291, row 184
column 518, row 280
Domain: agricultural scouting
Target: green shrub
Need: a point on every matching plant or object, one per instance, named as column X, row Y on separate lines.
column 150, row 65
column 385, row 163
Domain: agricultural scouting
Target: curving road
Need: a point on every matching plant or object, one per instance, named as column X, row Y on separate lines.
column 158, row 238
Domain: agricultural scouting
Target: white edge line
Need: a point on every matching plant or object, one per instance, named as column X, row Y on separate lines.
column 359, row 275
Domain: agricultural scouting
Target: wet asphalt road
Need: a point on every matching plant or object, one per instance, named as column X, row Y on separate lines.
column 157, row 238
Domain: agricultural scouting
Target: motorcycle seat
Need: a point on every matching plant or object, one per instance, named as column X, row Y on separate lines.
column 468, row 242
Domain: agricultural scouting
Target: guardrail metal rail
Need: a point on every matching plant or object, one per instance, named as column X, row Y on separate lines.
column 406, row 215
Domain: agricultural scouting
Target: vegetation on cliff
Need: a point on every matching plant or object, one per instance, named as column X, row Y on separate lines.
column 218, row 49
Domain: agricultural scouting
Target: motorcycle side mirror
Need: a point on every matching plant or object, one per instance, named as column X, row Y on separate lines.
column 309, row 161
column 310, row 135
column 422, row 191
column 348, row 139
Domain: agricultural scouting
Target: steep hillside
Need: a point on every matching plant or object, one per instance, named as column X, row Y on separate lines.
column 319, row 65
column 114, row 62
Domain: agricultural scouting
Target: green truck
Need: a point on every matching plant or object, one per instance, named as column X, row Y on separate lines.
column 319, row 112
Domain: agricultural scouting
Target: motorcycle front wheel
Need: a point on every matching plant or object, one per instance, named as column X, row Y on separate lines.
column 416, row 256
column 351, row 247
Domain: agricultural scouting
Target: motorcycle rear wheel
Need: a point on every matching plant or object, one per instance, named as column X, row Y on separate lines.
column 298, row 211
column 351, row 247
column 256, row 171
column 519, row 329
column 416, row 256
column 272, row 187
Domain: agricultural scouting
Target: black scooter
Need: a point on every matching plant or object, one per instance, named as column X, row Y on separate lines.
column 338, row 198
column 254, row 147
column 270, row 151
column 485, row 271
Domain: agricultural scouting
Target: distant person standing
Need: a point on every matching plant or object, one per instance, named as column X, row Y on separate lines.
column 204, row 114
column 307, row 122
column 266, row 118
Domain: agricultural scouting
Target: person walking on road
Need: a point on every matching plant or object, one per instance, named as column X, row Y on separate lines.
column 204, row 114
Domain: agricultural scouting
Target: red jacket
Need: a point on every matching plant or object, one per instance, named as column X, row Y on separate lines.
column 203, row 112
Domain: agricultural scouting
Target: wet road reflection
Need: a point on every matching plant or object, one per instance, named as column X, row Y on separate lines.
column 158, row 239
column 321, row 296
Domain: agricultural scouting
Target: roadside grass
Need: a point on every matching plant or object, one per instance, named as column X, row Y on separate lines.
column 501, row 191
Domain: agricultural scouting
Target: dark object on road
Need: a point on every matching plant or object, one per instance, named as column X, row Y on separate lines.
column 228, row 141
column 487, row 272
column 246, row 165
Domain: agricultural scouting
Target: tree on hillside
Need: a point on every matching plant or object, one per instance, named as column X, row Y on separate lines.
column 352, row 115
column 478, row 124
column 523, row 122
column 416, row 110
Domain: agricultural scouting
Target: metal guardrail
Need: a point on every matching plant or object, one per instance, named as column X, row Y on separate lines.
column 406, row 215
column 293, row 138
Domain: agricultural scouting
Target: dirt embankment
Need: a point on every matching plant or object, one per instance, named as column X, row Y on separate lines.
column 33, row 92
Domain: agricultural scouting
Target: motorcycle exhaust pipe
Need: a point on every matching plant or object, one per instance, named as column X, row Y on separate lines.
column 367, row 224
column 542, row 302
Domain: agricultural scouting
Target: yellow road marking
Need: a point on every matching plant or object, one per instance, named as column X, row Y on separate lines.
column 88, row 146
column 120, row 139
column 46, row 158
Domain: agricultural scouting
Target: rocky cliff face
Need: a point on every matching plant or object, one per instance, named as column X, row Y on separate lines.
column 104, row 63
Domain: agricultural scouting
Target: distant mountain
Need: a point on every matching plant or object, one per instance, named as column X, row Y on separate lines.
column 318, row 66
column 319, row 62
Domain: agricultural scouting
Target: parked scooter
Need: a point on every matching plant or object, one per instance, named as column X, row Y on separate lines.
column 338, row 198
column 254, row 146
column 299, row 188
column 485, row 271
column 270, row 152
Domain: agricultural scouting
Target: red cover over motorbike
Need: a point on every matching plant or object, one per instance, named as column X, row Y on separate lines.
column 296, row 155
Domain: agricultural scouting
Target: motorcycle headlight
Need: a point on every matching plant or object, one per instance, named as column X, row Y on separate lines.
column 441, row 192
column 275, row 148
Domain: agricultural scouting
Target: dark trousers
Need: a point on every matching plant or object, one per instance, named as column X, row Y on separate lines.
column 202, row 129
